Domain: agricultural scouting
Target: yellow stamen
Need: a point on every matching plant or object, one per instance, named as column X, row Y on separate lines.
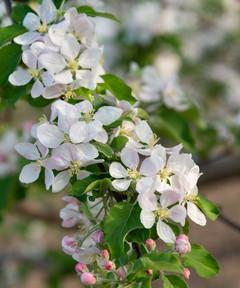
column 192, row 197
column 164, row 174
column 73, row 65
column 34, row 73
column 133, row 174
column 43, row 28
column 163, row 213
column 75, row 167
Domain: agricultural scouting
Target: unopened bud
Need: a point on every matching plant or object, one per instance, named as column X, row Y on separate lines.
column 182, row 244
column 151, row 244
column 88, row 278
column 109, row 265
column 122, row 273
column 97, row 236
column 186, row 273
column 80, row 268
column 105, row 254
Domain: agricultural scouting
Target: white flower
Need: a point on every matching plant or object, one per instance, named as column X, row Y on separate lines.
column 23, row 76
column 37, row 24
column 30, row 172
column 90, row 126
column 153, row 209
column 70, row 159
column 124, row 176
column 50, row 135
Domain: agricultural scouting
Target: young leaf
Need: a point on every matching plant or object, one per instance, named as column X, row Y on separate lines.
column 173, row 281
column 105, row 149
column 202, row 261
column 93, row 13
column 122, row 219
column 208, row 207
column 81, row 187
column 119, row 143
column 8, row 33
column 118, row 87
column 10, row 56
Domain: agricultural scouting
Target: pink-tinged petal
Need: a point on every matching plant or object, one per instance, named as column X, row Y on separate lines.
column 47, row 79
column 70, row 47
column 19, row 77
column 161, row 186
column 86, row 255
column 165, row 232
column 169, row 198
column 49, row 177
column 108, row 114
column 53, row 62
column 178, row 214
column 83, row 174
column 69, row 244
column 195, row 214
column 121, row 184
column 148, row 201
column 90, row 58
column 147, row 219
column 28, row 150
column 145, row 184
column 101, row 136
column 54, row 91
column 37, row 89
column 50, row 135
column 144, row 132
column 130, row 158
column 27, row 38
column 29, row 59
column 30, row 173
column 117, row 170
column 71, row 200
column 60, row 181
column 43, row 149
column 48, row 11
column 160, row 152
column 180, row 163
column 64, row 77
column 31, row 21
column 151, row 166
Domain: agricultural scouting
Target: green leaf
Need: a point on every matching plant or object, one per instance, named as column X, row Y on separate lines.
column 105, row 149
column 121, row 220
column 156, row 261
column 8, row 33
column 139, row 235
column 202, row 261
column 208, row 207
column 174, row 126
column 173, row 281
column 118, row 87
column 93, row 13
column 119, row 143
column 10, row 56
column 11, row 94
column 19, row 11
column 83, row 186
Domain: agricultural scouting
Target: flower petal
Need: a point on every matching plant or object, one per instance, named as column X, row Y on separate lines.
column 28, row 150
column 147, row 219
column 60, row 181
column 64, row 77
column 108, row 114
column 165, row 232
column 148, row 201
column 121, row 184
column 117, row 170
column 90, row 58
column 169, row 198
column 54, row 91
column 151, row 166
column 79, row 133
column 29, row 59
column 50, row 135
column 145, row 184
column 144, row 132
column 48, row 11
column 19, row 77
column 30, row 173
column 37, row 89
column 27, row 38
column 130, row 158
column 178, row 214
column 49, row 177
column 53, row 62
column 195, row 214
column 31, row 21
column 70, row 47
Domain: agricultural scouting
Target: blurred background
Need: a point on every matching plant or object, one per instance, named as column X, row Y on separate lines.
column 195, row 42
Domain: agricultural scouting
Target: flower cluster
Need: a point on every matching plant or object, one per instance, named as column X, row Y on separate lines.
column 60, row 53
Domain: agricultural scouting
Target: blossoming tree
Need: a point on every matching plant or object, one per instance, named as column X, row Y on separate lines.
column 129, row 197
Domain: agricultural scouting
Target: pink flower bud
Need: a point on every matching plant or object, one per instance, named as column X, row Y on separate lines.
column 105, row 254
column 151, row 244
column 182, row 244
column 109, row 265
column 80, row 268
column 186, row 273
column 122, row 273
column 88, row 278
column 97, row 236
column 69, row 244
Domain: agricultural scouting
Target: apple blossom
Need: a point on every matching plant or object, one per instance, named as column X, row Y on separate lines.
column 80, row 268
column 182, row 244
column 88, row 278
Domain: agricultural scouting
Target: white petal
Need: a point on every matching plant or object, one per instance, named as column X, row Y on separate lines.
column 108, row 114
column 49, row 177
column 87, row 151
column 30, row 173
column 48, row 11
column 20, row 77
column 86, row 79
column 60, row 181
column 130, row 158
column 147, row 218
column 90, row 58
column 70, row 47
column 180, row 163
column 50, row 135
column 145, row 184
column 47, row 79
column 117, row 170
column 165, row 232
column 144, row 132
column 37, row 89
column 121, row 185
column 151, row 166
column 178, row 214
column 101, row 136
column 27, row 38
column 84, row 107
column 64, row 77
column 159, row 151
column 57, row 32
column 53, row 62
column 169, row 198
column 78, row 132
column 28, row 150
column 31, row 21
column 29, row 59
column 54, row 91
column 148, row 201
column 195, row 214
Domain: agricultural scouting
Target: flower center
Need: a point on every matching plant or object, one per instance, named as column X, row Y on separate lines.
column 125, row 131
column 66, row 138
column 163, row 213
column 164, row 174
column 87, row 117
column 69, row 94
column 39, row 163
column 133, row 174
column 73, row 65
column 192, row 197
column 171, row 93
column 75, row 167
column 34, row 73
column 43, row 28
